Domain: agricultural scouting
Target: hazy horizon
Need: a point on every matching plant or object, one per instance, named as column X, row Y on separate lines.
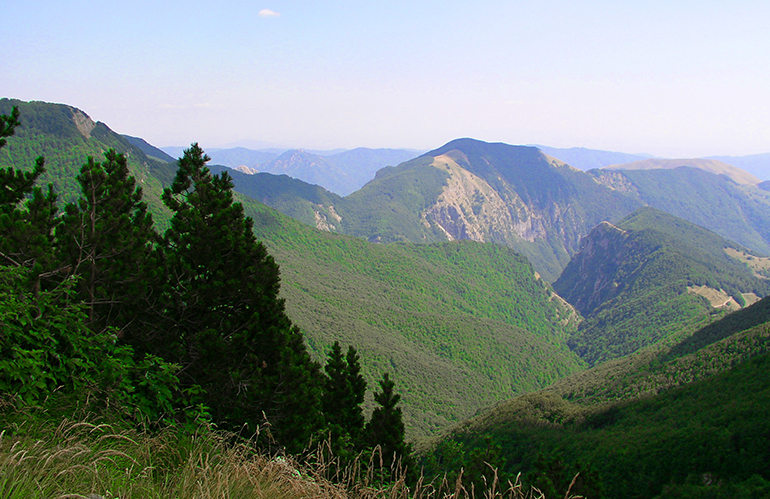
column 670, row 79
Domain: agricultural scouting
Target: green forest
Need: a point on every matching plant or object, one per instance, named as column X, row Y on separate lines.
column 102, row 313
column 163, row 335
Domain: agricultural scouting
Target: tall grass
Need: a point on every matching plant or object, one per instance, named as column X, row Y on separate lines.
column 82, row 459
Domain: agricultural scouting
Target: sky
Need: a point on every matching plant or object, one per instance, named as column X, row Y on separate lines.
column 674, row 78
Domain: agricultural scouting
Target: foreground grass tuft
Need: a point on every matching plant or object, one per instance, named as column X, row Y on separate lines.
column 82, row 459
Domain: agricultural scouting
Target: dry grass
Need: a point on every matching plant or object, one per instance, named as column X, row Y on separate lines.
column 88, row 460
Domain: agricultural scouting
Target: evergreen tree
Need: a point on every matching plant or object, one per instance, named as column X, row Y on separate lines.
column 386, row 427
column 26, row 228
column 107, row 239
column 342, row 402
column 228, row 328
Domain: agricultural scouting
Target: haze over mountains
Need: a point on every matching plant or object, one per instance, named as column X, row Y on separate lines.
column 486, row 273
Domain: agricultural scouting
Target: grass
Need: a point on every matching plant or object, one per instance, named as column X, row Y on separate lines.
column 85, row 459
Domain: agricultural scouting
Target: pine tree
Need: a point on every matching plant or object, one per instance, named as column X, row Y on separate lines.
column 228, row 328
column 386, row 427
column 26, row 227
column 342, row 402
column 107, row 239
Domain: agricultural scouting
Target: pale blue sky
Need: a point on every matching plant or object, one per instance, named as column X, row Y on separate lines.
column 672, row 78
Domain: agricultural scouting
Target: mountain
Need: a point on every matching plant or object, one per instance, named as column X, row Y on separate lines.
column 587, row 159
column 361, row 164
column 458, row 325
column 651, row 277
column 737, row 212
column 710, row 165
column 66, row 137
column 150, row 150
column 240, row 156
column 756, row 164
column 339, row 171
column 519, row 197
column 469, row 189
column 310, row 168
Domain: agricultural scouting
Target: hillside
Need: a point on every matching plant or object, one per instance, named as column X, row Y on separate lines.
column 648, row 278
column 310, row 168
column 458, row 325
column 740, row 213
column 709, row 165
column 66, row 136
column 633, row 423
column 310, row 204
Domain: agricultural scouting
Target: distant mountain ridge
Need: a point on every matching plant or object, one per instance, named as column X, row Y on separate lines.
column 339, row 171
column 587, row 159
column 756, row 164
column 710, row 165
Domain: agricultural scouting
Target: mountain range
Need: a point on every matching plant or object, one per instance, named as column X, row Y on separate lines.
column 438, row 269
column 339, row 171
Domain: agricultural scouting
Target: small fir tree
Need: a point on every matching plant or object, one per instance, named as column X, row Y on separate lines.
column 386, row 427
column 344, row 393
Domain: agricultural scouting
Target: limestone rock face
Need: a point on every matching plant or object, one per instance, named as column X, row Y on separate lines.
column 83, row 122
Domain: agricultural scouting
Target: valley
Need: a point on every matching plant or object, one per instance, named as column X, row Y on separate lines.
column 544, row 319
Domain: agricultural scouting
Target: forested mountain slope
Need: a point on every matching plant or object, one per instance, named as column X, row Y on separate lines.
column 458, row 325
column 740, row 213
column 652, row 276
column 656, row 422
column 66, row 136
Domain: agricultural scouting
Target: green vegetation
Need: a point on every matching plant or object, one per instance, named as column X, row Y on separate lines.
column 458, row 325
column 65, row 136
column 632, row 285
column 740, row 213
column 100, row 310
column 649, row 425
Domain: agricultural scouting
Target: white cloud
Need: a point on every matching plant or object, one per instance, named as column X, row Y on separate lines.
column 268, row 13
